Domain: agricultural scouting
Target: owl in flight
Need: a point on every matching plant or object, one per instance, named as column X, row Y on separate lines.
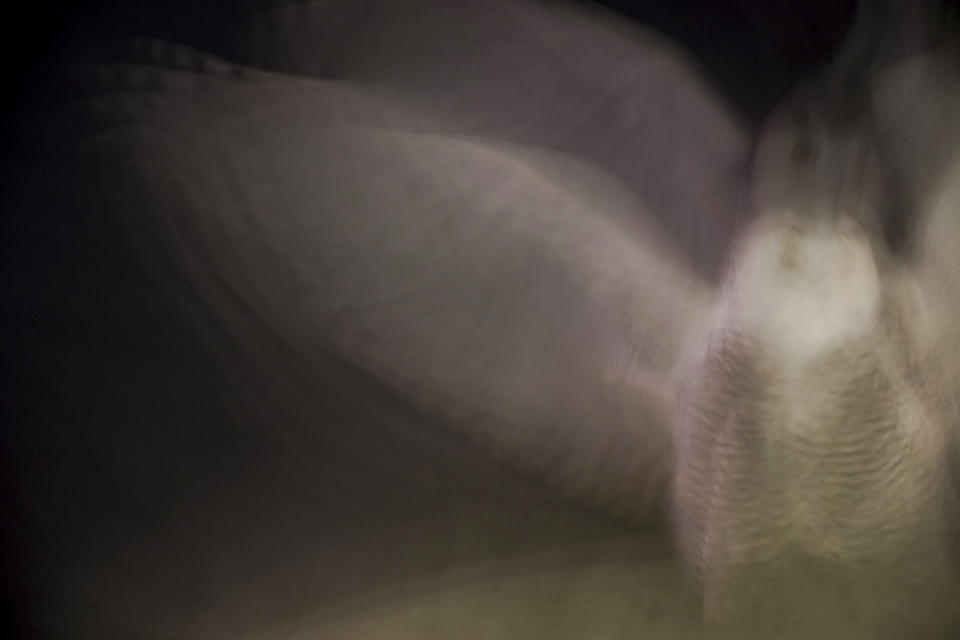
column 540, row 226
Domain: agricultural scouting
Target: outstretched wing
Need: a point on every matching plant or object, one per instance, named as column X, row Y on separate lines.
column 553, row 75
column 517, row 293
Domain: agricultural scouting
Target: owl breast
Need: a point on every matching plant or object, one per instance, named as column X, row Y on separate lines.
column 810, row 472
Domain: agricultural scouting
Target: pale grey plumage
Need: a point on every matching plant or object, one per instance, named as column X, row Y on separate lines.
column 830, row 471
column 812, row 470
column 517, row 286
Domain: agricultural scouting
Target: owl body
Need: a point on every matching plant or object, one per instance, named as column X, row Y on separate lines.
column 809, row 470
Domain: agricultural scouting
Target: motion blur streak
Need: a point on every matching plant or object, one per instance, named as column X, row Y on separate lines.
column 500, row 319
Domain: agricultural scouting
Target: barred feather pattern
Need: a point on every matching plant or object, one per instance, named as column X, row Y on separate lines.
column 821, row 487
